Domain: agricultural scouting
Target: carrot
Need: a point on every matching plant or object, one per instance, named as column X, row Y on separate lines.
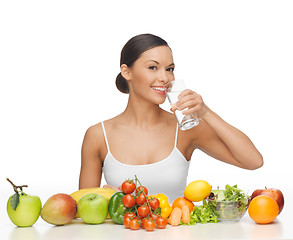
column 175, row 216
column 185, row 214
column 170, row 217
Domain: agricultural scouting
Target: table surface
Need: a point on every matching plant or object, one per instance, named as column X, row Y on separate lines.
column 281, row 228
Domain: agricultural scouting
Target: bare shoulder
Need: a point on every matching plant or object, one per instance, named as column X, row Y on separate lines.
column 94, row 136
column 94, row 142
column 94, row 131
column 110, row 125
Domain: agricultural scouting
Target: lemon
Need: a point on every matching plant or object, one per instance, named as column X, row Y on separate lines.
column 197, row 190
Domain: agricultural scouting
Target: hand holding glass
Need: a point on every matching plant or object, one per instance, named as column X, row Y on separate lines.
column 174, row 88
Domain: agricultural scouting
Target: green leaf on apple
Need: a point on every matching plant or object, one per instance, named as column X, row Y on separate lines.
column 14, row 201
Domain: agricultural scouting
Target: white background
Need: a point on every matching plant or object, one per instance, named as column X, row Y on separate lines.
column 59, row 61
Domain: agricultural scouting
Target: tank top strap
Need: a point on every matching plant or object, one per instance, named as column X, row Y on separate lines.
column 176, row 136
column 105, row 136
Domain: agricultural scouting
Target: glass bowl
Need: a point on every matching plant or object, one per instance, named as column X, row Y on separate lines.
column 228, row 211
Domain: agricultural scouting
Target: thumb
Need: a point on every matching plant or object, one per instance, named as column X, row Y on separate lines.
column 173, row 108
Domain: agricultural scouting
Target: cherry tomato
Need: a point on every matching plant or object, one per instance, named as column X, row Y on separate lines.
column 154, row 203
column 143, row 221
column 149, row 225
column 128, row 201
column 141, row 199
column 126, row 222
column 143, row 211
column 128, row 186
column 155, row 216
column 134, row 224
column 130, row 215
column 161, row 222
column 127, row 218
column 141, row 189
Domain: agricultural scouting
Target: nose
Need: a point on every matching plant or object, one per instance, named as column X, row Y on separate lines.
column 164, row 77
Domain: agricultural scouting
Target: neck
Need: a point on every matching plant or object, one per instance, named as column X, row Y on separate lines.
column 141, row 113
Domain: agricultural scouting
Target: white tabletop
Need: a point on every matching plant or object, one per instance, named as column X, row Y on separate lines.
column 281, row 228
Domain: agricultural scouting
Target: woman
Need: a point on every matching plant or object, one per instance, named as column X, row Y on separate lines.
column 144, row 140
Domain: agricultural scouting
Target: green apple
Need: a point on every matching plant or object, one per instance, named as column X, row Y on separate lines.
column 27, row 211
column 93, row 208
column 23, row 209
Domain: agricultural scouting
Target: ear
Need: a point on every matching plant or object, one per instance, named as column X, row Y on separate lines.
column 125, row 72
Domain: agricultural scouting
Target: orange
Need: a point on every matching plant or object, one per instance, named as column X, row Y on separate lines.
column 181, row 201
column 263, row 209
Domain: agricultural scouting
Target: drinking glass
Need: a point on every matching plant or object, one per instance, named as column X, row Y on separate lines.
column 174, row 88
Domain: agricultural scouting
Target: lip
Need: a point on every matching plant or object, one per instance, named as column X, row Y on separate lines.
column 161, row 90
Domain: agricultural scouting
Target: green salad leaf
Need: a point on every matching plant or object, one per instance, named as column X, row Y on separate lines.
column 201, row 214
column 231, row 193
column 234, row 194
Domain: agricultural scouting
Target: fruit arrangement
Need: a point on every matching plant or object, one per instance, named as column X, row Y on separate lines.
column 135, row 209
column 90, row 204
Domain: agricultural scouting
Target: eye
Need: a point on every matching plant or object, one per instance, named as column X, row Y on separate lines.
column 153, row 67
column 170, row 69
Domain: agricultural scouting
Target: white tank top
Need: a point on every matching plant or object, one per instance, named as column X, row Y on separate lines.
column 167, row 176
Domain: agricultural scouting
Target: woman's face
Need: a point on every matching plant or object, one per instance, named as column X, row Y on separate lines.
column 150, row 73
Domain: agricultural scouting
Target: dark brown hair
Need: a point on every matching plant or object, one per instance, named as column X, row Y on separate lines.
column 132, row 50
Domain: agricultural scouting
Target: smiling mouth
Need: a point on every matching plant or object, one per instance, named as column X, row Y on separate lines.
column 162, row 90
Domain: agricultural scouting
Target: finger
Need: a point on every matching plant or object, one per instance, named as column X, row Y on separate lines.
column 187, row 96
column 173, row 107
column 185, row 93
column 190, row 111
column 195, row 110
column 188, row 104
column 186, row 99
column 112, row 187
column 195, row 97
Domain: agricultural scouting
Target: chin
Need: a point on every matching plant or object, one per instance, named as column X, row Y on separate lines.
column 160, row 101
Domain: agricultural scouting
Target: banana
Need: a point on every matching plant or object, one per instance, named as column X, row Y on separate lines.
column 106, row 192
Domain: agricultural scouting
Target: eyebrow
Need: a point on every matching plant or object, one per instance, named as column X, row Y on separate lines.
column 172, row 64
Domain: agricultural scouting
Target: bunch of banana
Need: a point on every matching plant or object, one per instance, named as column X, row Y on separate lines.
column 106, row 192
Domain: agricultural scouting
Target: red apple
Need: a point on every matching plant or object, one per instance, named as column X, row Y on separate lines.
column 274, row 193
column 59, row 209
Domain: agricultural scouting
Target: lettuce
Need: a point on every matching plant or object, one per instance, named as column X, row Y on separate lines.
column 202, row 214
column 234, row 194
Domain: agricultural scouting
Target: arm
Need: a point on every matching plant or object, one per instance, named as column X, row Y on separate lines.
column 228, row 144
column 218, row 138
column 91, row 163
